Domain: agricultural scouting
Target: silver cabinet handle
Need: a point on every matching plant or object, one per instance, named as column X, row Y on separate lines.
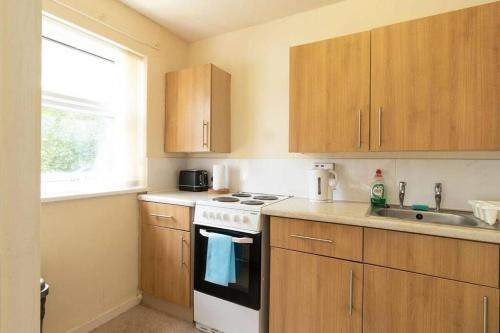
column 485, row 314
column 160, row 216
column 319, row 186
column 182, row 251
column 312, row 238
column 205, row 124
column 350, row 291
column 380, row 126
column 359, row 128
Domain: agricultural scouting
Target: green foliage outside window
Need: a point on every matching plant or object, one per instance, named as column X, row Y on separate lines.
column 70, row 139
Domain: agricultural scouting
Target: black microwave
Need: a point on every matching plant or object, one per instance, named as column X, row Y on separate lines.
column 193, row 180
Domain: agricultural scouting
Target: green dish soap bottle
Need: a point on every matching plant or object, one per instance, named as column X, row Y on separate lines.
column 378, row 189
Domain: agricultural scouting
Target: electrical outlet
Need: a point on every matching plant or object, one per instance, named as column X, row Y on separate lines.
column 324, row 166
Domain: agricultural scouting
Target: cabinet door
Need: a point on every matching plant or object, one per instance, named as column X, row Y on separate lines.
column 165, row 264
column 219, row 136
column 329, row 95
column 398, row 301
column 187, row 114
column 435, row 82
column 311, row 293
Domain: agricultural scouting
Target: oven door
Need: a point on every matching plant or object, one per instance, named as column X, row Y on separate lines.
column 247, row 251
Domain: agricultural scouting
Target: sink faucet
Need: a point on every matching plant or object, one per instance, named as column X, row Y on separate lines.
column 437, row 195
column 402, row 191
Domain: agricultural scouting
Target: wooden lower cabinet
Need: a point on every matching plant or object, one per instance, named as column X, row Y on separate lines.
column 339, row 241
column 165, row 215
column 454, row 259
column 165, row 264
column 312, row 293
column 403, row 282
column 399, row 301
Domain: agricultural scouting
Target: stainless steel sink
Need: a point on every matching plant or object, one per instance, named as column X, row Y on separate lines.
column 448, row 217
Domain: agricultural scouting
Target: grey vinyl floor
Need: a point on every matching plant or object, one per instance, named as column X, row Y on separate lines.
column 141, row 319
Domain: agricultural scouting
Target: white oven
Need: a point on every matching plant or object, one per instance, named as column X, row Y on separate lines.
column 242, row 306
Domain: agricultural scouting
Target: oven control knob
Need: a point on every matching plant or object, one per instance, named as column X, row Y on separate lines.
column 225, row 217
column 218, row 216
column 211, row 215
column 246, row 219
column 236, row 218
column 204, row 214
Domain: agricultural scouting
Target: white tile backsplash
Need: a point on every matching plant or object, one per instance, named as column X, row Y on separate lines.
column 462, row 179
column 288, row 176
column 356, row 176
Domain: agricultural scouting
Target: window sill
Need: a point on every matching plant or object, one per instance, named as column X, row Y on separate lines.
column 86, row 195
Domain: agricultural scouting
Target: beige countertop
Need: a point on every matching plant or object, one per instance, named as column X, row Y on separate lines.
column 351, row 213
column 354, row 213
column 183, row 198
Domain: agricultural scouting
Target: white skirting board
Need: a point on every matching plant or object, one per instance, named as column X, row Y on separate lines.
column 108, row 315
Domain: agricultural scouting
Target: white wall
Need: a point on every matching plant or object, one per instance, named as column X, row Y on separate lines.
column 19, row 166
column 89, row 258
column 163, row 173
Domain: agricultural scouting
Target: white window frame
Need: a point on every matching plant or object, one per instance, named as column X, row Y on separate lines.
column 85, row 106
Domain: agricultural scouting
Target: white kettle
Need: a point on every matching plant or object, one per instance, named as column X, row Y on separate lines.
column 321, row 184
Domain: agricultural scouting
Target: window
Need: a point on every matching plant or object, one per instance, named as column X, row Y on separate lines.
column 92, row 113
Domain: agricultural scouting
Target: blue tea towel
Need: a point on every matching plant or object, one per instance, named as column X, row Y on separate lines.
column 221, row 268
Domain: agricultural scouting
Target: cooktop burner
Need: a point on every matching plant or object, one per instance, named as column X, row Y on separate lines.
column 226, row 199
column 252, row 202
column 265, row 197
column 241, row 195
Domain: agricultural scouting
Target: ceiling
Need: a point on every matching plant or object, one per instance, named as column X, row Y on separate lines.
column 198, row 19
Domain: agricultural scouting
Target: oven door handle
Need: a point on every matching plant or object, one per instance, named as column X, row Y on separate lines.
column 242, row 240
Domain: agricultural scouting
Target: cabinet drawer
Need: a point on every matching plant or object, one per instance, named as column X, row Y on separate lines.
column 164, row 215
column 456, row 259
column 326, row 239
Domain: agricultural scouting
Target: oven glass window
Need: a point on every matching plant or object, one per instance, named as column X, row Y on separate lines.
column 242, row 258
column 246, row 290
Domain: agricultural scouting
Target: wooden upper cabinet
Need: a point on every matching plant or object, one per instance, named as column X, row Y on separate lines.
column 398, row 301
column 435, row 82
column 329, row 95
column 197, row 109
